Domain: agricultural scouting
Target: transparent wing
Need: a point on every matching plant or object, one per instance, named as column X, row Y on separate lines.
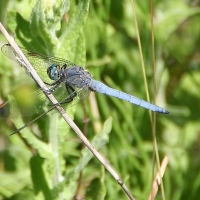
column 66, row 96
column 68, row 99
column 39, row 103
column 16, row 107
column 39, row 62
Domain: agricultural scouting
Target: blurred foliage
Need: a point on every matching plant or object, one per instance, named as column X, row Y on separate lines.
column 104, row 33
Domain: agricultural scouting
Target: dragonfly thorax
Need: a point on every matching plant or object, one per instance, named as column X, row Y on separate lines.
column 53, row 72
column 75, row 76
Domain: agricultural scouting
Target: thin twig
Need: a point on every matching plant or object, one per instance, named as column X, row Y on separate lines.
column 62, row 112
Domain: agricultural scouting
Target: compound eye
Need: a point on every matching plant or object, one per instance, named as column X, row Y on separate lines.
column 53, row 72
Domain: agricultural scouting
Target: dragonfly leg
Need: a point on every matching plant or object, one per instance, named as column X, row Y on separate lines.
column 52, row 89
column 72, row 94
column 52, row 84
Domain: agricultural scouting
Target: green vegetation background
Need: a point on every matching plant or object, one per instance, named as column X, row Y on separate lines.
column 101, row 36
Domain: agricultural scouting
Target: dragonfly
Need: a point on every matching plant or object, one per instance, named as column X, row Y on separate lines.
column 70, row 83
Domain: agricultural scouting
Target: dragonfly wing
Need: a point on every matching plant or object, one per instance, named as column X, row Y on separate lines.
column 39, row 62
column 38, row 103
column 16, row 107
column 68, row 99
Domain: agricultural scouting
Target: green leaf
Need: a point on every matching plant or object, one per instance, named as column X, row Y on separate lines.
column 39, row 178
column 12, row 183
column 98, row 142
column 69, row 41
column 20, row 26
column 96, row 190
column 173, row 18
column 46, row 21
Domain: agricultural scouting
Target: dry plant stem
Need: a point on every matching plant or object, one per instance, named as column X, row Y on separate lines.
column 141, row 56
column 155, row 92
column 152, row 118
column 158, row 178
column 76, row 196
column 40, row 83
column 95, row 113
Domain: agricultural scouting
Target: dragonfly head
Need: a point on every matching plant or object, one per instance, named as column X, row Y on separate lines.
column 53, row 72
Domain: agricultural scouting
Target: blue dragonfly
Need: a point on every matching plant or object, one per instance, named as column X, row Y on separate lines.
column 70, row 82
